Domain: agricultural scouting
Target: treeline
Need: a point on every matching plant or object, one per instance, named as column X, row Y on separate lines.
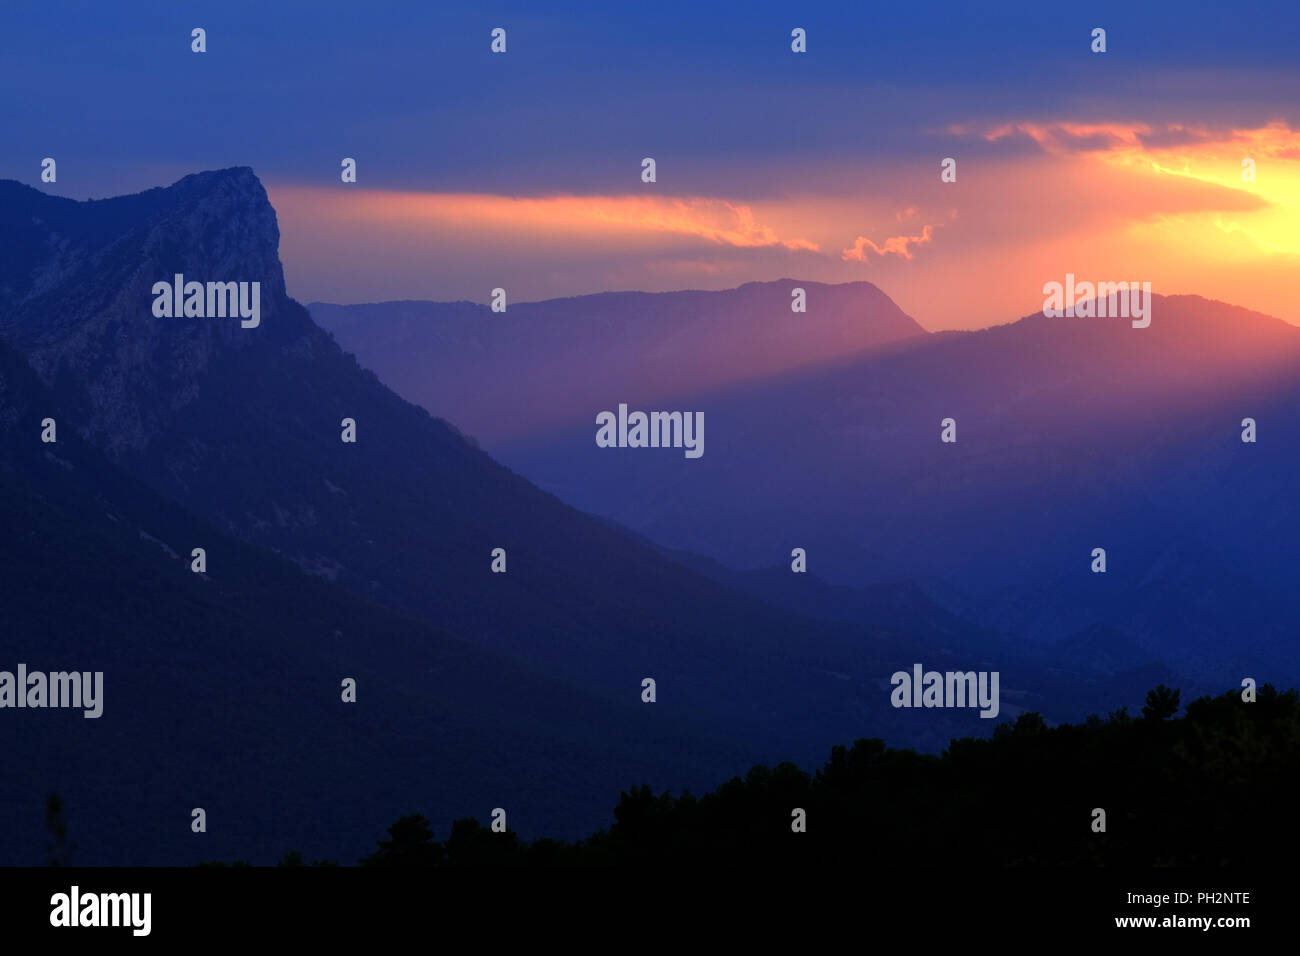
column 1214, row 787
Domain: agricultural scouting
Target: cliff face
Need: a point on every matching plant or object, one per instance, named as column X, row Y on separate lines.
column 82, row 311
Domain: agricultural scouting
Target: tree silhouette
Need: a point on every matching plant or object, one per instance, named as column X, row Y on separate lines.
column 60, row 849
column 1022, row 796
column 1162, row 703
column 411, row 843
column 472, row 844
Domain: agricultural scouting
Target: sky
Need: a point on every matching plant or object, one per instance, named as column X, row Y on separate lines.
column 522, row 170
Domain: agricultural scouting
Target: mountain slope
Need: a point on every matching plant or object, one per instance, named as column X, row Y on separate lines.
column 1072, row 434
column 223, row 690
column 540, row 364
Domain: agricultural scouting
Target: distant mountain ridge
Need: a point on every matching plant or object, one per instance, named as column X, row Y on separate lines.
column 1083, row 430
column 1071, row 434
column 499, row 375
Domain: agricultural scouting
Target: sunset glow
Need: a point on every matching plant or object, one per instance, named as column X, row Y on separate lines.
column 1169, row 202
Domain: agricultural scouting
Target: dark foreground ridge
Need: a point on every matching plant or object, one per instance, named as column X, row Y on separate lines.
column 1209, row 789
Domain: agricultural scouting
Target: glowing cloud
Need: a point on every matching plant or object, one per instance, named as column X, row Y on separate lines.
column 894, row 245
column 713, row 220
column 1196, row 153
column 1104, row 199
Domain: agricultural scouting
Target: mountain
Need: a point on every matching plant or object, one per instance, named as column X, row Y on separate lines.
column 222, row 690
column 243, row 428
column 1072, row 434
column 373, row 559
column 539, row 364
column 329, row 559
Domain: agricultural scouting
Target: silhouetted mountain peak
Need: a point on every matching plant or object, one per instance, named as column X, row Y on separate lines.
column 80, row 300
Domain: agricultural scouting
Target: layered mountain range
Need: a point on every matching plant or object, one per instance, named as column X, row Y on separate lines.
column 506, row 375
column 370, row 560
column 1071, row 434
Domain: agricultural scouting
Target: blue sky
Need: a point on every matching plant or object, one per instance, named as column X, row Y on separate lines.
column 287, row 87
column 586, row 89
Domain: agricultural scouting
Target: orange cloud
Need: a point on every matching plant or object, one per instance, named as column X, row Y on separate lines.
column 1275, row 140
column 1101, row 199
column 713, row 220
column 1071, row 137
column 894, row 245
column 1200, row 154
